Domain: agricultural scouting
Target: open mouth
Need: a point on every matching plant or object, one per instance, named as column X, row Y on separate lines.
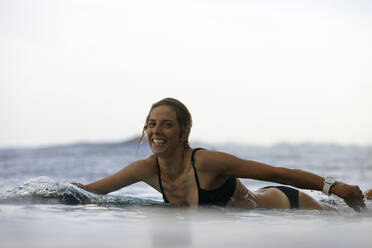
column 158, row 141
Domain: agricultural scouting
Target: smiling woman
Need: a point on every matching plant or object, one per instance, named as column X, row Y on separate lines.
column 163, row 132
column 192, row 177
column 182, row 116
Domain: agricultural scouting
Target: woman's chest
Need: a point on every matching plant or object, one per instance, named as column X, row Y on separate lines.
column 182, row 190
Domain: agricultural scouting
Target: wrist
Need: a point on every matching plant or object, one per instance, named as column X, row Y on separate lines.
column 336, row 189
column 329, row 183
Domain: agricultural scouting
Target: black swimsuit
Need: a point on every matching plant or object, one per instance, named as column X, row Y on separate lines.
column 219, row 196
column 291, row 193
column 223, row 194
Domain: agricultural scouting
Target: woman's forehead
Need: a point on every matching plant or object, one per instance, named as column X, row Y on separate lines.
column 163, row 112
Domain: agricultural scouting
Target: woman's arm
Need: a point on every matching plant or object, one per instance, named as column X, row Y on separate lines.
column 134, row 172
column 232, row 166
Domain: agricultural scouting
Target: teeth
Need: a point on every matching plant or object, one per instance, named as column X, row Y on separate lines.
column 158, row 141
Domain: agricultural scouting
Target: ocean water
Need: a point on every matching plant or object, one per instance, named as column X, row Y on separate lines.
column 40, row 208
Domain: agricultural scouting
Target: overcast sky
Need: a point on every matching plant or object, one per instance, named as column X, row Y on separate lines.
column 251, row 72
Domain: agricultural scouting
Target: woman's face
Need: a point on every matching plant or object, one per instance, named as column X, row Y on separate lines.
column 163, row 130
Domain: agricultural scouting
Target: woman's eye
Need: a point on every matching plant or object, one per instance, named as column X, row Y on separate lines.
column 168, row 124
column 151, row 124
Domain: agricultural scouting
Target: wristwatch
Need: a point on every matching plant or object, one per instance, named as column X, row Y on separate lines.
column 328, row 183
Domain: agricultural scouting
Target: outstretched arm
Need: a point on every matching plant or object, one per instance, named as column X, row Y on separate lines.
column 134, row 172
column 232, row 166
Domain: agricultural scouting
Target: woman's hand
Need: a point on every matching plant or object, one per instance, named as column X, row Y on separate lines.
column 82, row 186
column 351, row 194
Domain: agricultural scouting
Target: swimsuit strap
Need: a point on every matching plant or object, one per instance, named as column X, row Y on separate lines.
column 161, row 186
column 193, row 165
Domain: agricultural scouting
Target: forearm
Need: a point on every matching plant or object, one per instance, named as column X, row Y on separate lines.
column 90, row 188
column 299, row 179
column 96, row 188
column 265, row 172
column 128, row 175
column 103, row 186
column 109, row 184
column 307, row 180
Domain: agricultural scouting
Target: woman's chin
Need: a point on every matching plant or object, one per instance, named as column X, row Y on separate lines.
column 158, row 149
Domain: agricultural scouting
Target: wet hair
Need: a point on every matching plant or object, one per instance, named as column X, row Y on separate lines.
column 182, row 113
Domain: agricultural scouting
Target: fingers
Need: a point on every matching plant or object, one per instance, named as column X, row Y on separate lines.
column 363, row 204
column 356, row 199
column 357, row 205
column 356, row 208
column 353, row 205
column 360, row 197
column 78, row 185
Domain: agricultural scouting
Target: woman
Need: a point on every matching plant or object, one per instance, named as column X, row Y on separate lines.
column 192, row 177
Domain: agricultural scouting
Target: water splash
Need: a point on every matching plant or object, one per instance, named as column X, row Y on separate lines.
column 44, row 190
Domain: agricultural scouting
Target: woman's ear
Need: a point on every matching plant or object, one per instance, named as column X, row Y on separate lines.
column 185, row 135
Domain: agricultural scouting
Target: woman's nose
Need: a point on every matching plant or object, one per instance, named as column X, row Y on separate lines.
column 157, row 129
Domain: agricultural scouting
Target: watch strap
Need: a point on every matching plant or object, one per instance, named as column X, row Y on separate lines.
column 326, row 188
column 328, row 183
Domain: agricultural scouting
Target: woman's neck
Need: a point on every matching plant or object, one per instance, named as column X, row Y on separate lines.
column 173, row 165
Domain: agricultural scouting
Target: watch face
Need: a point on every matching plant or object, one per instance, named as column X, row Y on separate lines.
column 330, row 180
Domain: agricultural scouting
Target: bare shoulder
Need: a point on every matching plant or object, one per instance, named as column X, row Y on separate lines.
column 147, row 166
column 149, row 161
column 150, row 171
column 216, row 161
